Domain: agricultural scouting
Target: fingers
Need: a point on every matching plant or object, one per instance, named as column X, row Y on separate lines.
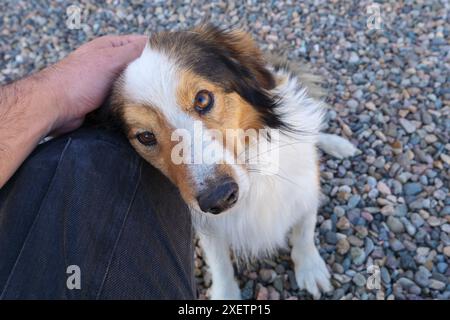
column 112, row 41
column 127, row 39
column 127, row 51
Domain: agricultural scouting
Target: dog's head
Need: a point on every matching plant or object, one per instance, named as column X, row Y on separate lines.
column 203, row 80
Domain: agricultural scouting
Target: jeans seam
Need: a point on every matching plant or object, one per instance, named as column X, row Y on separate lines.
column 35, row 220
column 120, row 232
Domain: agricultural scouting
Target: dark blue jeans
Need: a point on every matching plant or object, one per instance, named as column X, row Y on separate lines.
column 87, row 199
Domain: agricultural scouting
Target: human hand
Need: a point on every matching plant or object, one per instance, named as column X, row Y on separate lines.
column 79, row 83
column 56, row 99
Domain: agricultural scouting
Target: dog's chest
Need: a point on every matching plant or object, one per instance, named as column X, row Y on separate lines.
column 260, row 225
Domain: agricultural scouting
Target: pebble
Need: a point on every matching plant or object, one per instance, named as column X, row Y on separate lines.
column 383, row 188
column 263, row 293
column 407, row 261
column 273, row 294
column 401, row 210
column 247, row 291
column 352, row 104
column 446, row 228
column 207, row 279
column 385, row 276
column 338, row 294
column 367, row 216
column 279, row 269
column 412, row 188
column 342, row 246
column 368, row 246
column 353, row 201
column 330, row 237
column 278, row 284
column 415, row 290
column 434, row 221
column 447, row 251
column 388, row 210
column 359, row 280
column 410, row 228
column 343, row 224
column 342, row 278
column 354, row 58
column 396, row 245
column 437, row 285
column 358, row 255
column 327, row 225
column 407, row 125
column 405, row 283
column 417, row 204
column 339, row 211
column 395, row 225
column 442, row 267
column 422, row 277
column 267, row 275
column 417, row 220
column 355, row 241
column 292, row 281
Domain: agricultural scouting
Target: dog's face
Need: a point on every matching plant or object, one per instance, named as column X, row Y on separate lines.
column 204, row 79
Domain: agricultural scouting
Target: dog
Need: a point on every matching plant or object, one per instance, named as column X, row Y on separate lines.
column 216, row 80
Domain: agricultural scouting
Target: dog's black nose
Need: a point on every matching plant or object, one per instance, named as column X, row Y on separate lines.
column 219, row 197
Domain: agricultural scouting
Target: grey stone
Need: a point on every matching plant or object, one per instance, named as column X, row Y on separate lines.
column 436, row 285
column 412, row 188
column 405, row 283
column 395, row 225
column 267, row 275
column 247, row 291
column 358, row 255
column 278, row 284
column 396, row 245
column 407, row 125
column 422, row 277
column 385, row 276
column 417, row 220
column 342, row 246
column 354, row 58
column 359, row 280
column 330, row 237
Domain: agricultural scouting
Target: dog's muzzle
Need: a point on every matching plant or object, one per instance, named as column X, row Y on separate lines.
column 219, row 196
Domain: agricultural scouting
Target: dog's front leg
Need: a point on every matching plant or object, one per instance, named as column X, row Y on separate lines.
column 217, row 254
column 310, row 269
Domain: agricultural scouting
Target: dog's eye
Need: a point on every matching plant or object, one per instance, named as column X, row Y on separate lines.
column 146, row 138
column 204, row 100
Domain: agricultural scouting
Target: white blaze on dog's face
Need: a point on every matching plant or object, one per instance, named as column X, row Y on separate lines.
column 205, row 77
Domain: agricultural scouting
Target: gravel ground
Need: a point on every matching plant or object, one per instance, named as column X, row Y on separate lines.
column 389, row 88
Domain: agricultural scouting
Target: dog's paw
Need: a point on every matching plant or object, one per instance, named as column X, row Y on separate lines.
column 229, row 291
column 312, row 275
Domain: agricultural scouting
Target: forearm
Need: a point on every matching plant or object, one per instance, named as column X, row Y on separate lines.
column 27, row 114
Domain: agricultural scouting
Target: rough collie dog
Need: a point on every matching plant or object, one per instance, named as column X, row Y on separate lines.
column 217, row 81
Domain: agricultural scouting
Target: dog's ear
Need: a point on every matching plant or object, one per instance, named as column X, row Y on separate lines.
column 239, row 47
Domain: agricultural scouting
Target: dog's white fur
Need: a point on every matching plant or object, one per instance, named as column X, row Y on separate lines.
column 269, row 206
